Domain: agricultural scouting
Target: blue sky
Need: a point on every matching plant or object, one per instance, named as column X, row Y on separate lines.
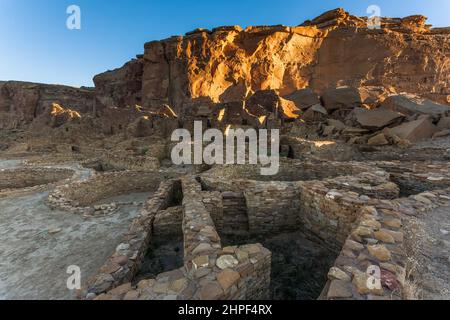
column 35, row 44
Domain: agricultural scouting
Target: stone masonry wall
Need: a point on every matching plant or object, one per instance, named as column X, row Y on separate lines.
column 210, row 271
column 124, row 263
column 30, row 177
column 378, row 241
column 81, row 195
column 329, row 213
column 272, row 207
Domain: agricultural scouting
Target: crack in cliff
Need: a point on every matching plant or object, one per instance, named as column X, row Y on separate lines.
column 170, row 97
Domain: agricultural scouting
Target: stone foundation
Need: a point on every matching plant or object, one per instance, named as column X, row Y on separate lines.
column 356, row 218
column 80, row 197
column 209, row 271
column 31, row 177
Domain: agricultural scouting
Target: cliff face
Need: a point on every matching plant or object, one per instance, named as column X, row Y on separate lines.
column 120, row 87
column 22, row 102
column 206, row 71
column 229, row 64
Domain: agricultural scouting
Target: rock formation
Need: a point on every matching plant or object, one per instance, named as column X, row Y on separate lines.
column 229, row 64
column 334, row 67
column 22, row 102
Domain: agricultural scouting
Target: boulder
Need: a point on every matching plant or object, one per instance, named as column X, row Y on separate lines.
column 378, row 140
column 339, row 125
column 341, row 98
column 442, row 133
column 304, row 98
column 328, row 131
column 415, row 130
column 376, row 119
column 266, row 102
column 372, row 95
column 315, row 114
column 288, row 109
column 444, row 123
column 409, row 105
column 266, row 99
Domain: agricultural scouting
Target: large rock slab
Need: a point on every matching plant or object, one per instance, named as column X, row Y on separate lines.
column 408, row 105
column 267, row 102
column 444, row 123
column 304, row 98
column 341, row 98
column 376, row 119
column 416, row 130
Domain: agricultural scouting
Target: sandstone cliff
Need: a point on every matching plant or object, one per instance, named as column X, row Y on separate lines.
column 229, row 64
column 22, row 102
column 208, row 73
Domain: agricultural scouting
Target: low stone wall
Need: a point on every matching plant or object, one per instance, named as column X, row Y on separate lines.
column 31, row 177
column 235, row 213
column 290, row 170
column 213, row 202
column 210, row 271
column 168, row 221
column 373, row 184
column 125, row 262
column 79, row 197
column 413, row 179
column 272, row 207
column 377, row 243
column 328, row 213
column 135, row 163
column 328, row 208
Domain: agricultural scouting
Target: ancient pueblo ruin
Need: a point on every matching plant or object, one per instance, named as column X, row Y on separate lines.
column 358, row 208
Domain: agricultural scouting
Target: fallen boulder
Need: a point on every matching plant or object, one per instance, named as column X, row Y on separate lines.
column 442, row 133
column 376, row 119
column 288, row 110
column 341, row 98
column 266, row 102
column 315, row 113
column 339, row 125
column 378, row 140
column 415, row 130
column 372, row 95
column 304, row 98
column 409, row 105
column 444, row 123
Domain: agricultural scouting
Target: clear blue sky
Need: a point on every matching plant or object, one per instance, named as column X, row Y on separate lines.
column 35, row 44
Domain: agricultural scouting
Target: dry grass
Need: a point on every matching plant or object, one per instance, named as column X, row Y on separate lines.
column 411, row 288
